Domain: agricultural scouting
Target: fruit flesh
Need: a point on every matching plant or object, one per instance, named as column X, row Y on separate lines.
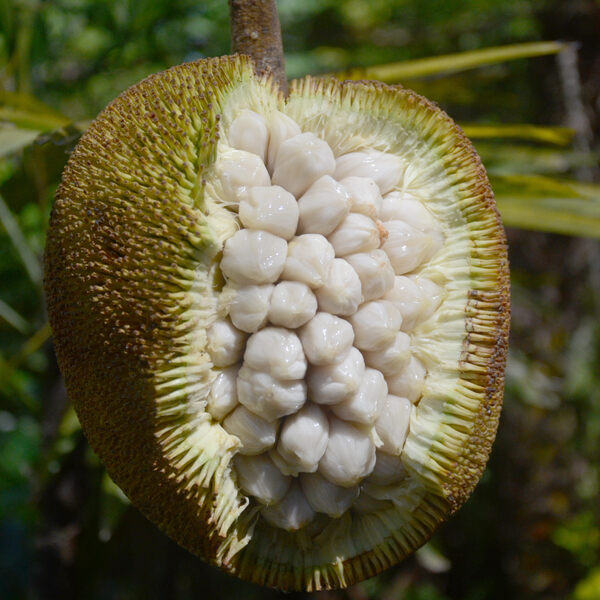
column 145, row 408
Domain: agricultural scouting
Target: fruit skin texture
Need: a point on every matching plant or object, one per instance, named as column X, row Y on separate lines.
column 129, row 234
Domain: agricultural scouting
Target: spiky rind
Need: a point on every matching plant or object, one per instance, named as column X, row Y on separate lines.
column 130, row 266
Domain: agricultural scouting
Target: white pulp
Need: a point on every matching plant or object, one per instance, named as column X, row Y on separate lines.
column 325, row 274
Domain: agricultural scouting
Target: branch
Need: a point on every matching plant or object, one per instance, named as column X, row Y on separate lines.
column 256, row 31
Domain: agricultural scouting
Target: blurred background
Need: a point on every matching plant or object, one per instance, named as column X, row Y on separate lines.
column 523, row 79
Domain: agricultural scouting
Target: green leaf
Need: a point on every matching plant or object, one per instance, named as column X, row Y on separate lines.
column 547, row 204
column 13, row 139
column 452, row 63
column 561, row 136
column 27, row 112
column 12, row 317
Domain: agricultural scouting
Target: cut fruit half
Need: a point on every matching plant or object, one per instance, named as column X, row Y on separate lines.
column 282, row 322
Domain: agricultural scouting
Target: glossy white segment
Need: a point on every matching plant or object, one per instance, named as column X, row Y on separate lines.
column 392, row 423
column 406, row 246
column 365, row 197
column 255, row 434
column 384, row 168
column 309, row 259
column 393, row 357
column 403, row 206
column 303, row 440
column 406, row 297
column 356, row 233
column 326, row 339
column 375, row 324
column 342, row 292
column 409, row 382
column 268, row 397
column 276, row 351
column 225, row 343
column 281, row 128
column 326, row 497
column 260, row 478
column 249, row 132
column 222, row 398
column 330, row 384
column 323, row 206
column 416, row 297
column 292, row 513
column 292, row 304
column 375, row 272
column 350, row 454
column 363, row 405
column 270, row 208
column 253, row 257
column 431, row 296
column 249, row 307
column 300, row 161
column 388, row 469
column 239, row 170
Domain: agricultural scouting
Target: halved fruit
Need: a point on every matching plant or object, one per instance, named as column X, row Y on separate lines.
column 282, row 322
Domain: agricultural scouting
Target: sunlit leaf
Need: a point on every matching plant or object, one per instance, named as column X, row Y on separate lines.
column 560, row 136
column 452, row 63
column 27, row 112
column 27, row 256
column 13, row 139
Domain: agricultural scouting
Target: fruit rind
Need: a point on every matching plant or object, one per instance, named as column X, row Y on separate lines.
column 131, row 271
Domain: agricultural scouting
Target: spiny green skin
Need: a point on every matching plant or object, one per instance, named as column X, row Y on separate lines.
column 126, row 234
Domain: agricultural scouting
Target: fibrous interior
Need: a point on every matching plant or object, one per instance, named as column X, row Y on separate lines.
column 314, row 369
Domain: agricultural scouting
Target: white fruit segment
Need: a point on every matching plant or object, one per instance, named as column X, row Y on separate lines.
column 292, row 304
column 282, row 128
column 323, row 206
column 271, row 209
column 225, row 343
column 302, row 440
column 300, row 161
column 330, row 384
column 350, row 454
column 417, row 298
column 388, row 469
column 326, row 497
column 326, row 339
column 239, row 170
column 291, row 513
column 392, row 423
column 249, row 307
column 402, row 206
column 259, row 477
column 365, row 197
column 392, row 358
column 384, row 168
column 255, row 434
column 375, row 272
column 309, row 259
column 406, row 246
column 342, row 292
column 268, row 397
column 222, row 398
column 363, row 405
column 253, row 257
column 410, row 381
column 249, row 132
column 356, row 233
column 375, row 324
column 276, row 351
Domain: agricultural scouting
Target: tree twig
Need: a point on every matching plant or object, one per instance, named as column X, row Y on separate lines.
column 256, row 31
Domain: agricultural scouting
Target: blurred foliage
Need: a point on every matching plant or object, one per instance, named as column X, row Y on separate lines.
column 532, row 528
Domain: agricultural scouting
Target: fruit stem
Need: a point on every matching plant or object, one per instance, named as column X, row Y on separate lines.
column 256, row 31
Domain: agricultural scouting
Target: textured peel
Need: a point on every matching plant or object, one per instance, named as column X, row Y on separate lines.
column 132, row 257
